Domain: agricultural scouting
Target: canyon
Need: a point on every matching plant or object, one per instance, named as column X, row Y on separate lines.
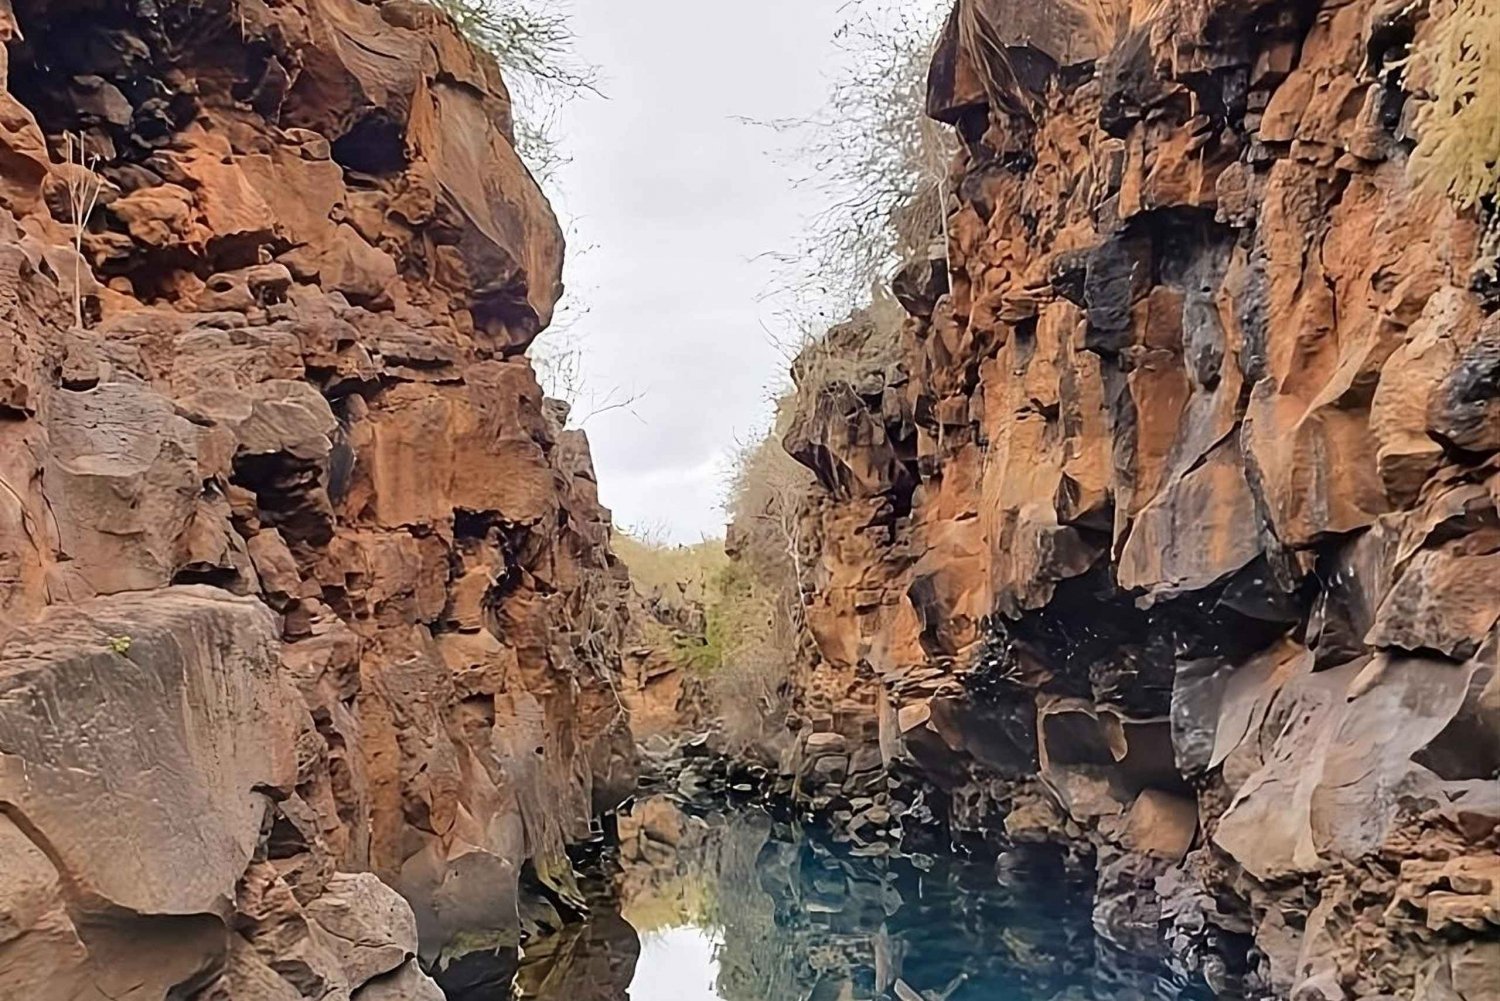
column 1164, row 551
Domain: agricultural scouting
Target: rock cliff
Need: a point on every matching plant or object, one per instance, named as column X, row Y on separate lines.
column 1174, row 538
column 306, row 596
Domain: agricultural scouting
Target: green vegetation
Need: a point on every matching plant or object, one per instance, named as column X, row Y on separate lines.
column 754, row 615
column 748, row 608
column 682, row 585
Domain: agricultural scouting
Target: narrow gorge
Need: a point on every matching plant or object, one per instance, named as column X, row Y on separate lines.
column 1139, row 571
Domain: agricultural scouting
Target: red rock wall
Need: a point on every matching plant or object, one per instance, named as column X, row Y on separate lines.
column 1175, row 537
column 295, row 374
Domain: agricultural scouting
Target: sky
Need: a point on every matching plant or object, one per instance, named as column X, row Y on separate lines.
column 671, row 201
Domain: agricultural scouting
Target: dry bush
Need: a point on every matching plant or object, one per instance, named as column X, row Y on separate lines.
column 1101, row 23
column 884, row 164
column 756, row 622
column 560, row 362
column 878, row 159
column 1457, row 57
column 533, row 42
column 868, row 342
column 84, row 187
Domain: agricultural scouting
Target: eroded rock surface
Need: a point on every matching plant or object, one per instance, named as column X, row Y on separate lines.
column 308, row 618
column 1173, row 538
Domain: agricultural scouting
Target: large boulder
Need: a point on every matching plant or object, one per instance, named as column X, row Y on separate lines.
column 145, row 736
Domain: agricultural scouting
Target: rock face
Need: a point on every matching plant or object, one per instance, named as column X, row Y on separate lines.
column 1175, row 538
column 308, row 619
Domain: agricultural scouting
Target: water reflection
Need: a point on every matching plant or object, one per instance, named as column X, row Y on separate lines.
column 678, row 963
column 735, row 907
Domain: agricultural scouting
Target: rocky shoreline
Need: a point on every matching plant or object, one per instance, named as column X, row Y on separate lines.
column 799, row 905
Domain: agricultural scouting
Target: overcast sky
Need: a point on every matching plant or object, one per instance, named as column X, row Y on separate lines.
column 671, row 200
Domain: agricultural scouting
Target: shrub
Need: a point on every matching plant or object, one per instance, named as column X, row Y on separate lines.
column 1457, row 57
column 756, row 623
column 879, row 160
column 728, row 622
column 532, row 40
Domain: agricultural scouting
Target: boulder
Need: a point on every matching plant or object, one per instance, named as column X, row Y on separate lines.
column 365, row 924
column 1161, row 825
column 408, row 983
column 1337, row 762
column 150, row 813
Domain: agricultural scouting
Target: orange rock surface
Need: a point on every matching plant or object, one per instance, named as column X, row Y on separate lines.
column 302, row 580
column 1186, row 491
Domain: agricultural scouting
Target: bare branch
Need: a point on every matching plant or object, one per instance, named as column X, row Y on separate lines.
column 533, row 42
column 84, row 187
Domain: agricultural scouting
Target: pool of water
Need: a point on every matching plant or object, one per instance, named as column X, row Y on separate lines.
column 736, row 907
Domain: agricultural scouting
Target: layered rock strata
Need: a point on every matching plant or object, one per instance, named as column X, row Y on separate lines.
column 1175, row 537
column 309, row 625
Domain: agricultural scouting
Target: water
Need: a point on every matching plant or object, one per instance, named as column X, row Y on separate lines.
column 680, row 963
column 735, row 907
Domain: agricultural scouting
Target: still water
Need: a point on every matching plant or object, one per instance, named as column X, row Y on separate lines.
column 736, row 907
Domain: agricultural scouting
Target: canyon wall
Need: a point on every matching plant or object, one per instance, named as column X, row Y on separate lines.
column 1174, row 538
column 306, row 595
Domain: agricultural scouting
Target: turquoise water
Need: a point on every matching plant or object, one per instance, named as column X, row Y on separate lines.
column 735, row 907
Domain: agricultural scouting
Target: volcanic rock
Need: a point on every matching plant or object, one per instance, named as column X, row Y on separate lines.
column 309, row 624
column 1183, row 529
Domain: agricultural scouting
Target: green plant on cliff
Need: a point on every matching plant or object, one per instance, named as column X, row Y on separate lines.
column 1458, row 127
column 533, row 42
column 756, row 616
